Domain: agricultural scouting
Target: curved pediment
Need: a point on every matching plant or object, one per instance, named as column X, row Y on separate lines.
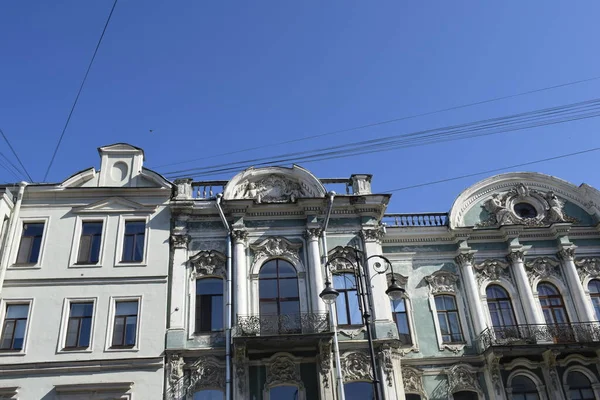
column 521, row 198
column 274, row 185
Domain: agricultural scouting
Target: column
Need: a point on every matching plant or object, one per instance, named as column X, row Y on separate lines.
column 241, row 304
column 517, row 258
column 315, row 270
column 382, row 311
column 465, row 260
column 179, row 243
column 582, row 304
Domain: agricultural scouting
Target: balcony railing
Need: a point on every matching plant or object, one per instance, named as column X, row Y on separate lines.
column 416, row 219
column 285, row 324
column 515, row 335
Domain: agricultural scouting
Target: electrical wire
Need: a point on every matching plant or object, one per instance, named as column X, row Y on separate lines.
column 374, row 124
column 79, row 91
column 489, row 171
column 16, row 156
column 553, row 115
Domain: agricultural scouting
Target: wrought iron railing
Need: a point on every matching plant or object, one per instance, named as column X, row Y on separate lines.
column 515, row 335
column 416, row 219
column 285, row 324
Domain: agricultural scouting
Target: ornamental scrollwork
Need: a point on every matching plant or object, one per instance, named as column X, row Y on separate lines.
column 342, row 258
column 175, row 365
column 442, row 282
column 325, row 361
column 494, row 366
column 588, row 267
column 206, row 372
column 276, row 247
column 240, row 366
column 461, row 377
column 542, row 268
column 413, row 381
column 550, row 364
column 356, row 366
column 492, row 270
column 283, row 369
column 549, row 208
column 208, row 263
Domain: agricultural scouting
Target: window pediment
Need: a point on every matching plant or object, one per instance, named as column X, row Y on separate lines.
column 276, row 247
column 115, row 205
column 208, row 263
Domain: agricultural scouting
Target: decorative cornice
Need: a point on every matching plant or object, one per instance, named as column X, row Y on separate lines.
column 276, row 247
column 208, row 263
column 442, row 282
column 492, row 270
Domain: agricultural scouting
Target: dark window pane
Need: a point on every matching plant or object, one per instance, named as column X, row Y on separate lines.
column 85, row 243
column 35, row 249
column 268, row 308
column 209, row 286
column 135, row 227
column 358, row 391
column 126, row 308
column 17, row 311
column 118, row 330
column 268, row 270
column 283, row 393
column 217, row 313
column 267, row 288
column 342, row 314
column 209, row 395
column 138, row 254
column 286, row 270
column 130, row 331
column 288, row 288
column 91, row 228
column 72, row 330
column 209, row 304
column 24, row 250
column 290, row 307
column 85, row 332
column 35, row 229
column 7, row 334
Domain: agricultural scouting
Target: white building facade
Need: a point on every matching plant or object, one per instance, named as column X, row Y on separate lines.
column 84, row 284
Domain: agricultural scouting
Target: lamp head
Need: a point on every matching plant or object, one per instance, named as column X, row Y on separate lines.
column 329, row 295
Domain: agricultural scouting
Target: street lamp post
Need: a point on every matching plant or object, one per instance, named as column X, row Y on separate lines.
column 360, row 268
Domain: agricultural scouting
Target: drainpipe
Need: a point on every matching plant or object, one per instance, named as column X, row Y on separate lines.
column 10, row 234
column 228, row 322
column 332, row 319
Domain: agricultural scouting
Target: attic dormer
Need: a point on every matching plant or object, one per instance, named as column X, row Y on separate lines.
column 120, row 165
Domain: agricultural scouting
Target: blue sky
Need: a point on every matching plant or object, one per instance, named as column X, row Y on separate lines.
column 214, row 77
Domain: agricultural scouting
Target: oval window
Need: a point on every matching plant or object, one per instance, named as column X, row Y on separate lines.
column 525, row 210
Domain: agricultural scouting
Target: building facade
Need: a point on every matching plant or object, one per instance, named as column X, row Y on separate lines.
column 117, row 284
column 84, row 284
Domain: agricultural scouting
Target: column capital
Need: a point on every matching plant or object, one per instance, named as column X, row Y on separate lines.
column 465, row 258
column 567, row 253
column 517, row 255
column 180, row 241
column 313, row 233
column 374, row 234
column 239, row 236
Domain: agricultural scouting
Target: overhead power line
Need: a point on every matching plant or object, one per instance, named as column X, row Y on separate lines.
column 548, row 116
column 489, row 171
column 389, row 121
column 79, row 91
column 16, row 156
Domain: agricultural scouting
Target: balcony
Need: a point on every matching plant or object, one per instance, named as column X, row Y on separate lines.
column 278, row 325
column 416, row 219
column 531, row 335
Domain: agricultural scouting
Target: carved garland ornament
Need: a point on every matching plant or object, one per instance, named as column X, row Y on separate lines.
column 283, row 369
column 413, row 381
column 240, row 366
column 542, row 268
column 276, row 247
column 387, row 364
column 588, row 267
column 356, row 366
column 494, row 365
column 175, row 365
column 206, row 373
column 325, row 361
column 442, row 282
column 208, row 263
column 492, row 270
column 460, row 378
column 500, row 207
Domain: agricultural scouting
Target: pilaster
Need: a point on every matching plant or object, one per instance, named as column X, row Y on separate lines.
column 584, row 308
column 517, row 259
column 372, row 236
column 315, row 270
column 240, row 272
column 465, row 259
column 179, row 243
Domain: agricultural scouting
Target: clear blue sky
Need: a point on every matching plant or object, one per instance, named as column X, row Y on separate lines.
column 210, row 77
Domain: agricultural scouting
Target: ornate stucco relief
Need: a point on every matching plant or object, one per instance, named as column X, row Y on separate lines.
column 208, row 263
column 325, row 361
column 356, row 366
column 542, row 268
column 588, row 267
column 492, row 270
column 283, row 369
column 413, row 381
column 276, row 247
column 442, row 282
column 206, row 373
column 462, row 377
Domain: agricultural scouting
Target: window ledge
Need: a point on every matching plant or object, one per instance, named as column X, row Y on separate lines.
column 75, row 350
column 25, row 266
column 123, row 349
column 131, row 264
column 453, row 347
column 10, row 353
column 82, row 265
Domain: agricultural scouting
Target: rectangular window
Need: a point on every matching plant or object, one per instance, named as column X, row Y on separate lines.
column 133, row 242
column 79, row 326
column 31, row 243
column 209, row 305
column 89, row 244
column 125, row 326
column 13, row 330
column 347, row 306
column 401, row 320
column 448, row 319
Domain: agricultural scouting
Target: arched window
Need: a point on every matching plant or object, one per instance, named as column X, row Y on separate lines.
column 209, row 395
column 209, row 305
column 594, row 288
column 286, row 392
column 552, row 304
column 346, row 304
column 447, row 313
column 580, row 387
column 401, row 319
column 465, row 395
column 358, row 391
column 500, row 307
column 523, row 388
column 279, row 299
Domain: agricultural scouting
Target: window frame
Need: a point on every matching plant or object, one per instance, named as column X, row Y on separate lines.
column 343, row 292
column 529, row 375
column 446, row 313
column 4, row 303
column 113, row 300
column 551, row 307
column 594, row 295
column 195, row 330
column 123, row 219
column 408, row 320
column 18, row 237
column 278, row 300
column 496, row 300
column 65, row 321
column 79, row 221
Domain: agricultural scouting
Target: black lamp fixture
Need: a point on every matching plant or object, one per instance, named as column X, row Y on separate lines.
column 329, row 295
